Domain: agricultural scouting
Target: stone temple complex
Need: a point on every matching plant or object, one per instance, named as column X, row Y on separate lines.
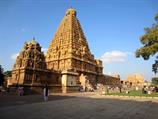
column 67, row 65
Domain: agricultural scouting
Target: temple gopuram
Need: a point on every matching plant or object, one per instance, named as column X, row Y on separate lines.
column 67, row 66
column 135, row 80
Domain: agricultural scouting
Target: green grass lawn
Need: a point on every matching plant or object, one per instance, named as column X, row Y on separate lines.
column 134, row 93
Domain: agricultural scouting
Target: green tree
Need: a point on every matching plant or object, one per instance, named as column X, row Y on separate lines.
column 8, row 73
column 154, row 81
column 150, row 44
column 1, row 76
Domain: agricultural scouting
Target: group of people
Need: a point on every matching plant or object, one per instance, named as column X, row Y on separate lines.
column 20, row 91
column 149, row 90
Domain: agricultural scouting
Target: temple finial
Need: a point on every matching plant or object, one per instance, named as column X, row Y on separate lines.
column 71, row 11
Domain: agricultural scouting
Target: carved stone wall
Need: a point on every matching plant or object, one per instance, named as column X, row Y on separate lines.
column 109, row 80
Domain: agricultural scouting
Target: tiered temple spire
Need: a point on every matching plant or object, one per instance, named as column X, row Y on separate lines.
column 69, row 48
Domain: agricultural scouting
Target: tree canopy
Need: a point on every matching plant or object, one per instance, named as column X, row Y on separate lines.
column 150, row 44
column 1, row 76
column 8, row 73
column 155, row 81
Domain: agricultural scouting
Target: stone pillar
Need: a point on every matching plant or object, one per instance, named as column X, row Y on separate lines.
column 69, row 81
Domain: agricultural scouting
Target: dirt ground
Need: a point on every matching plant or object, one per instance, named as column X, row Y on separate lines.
column 76, row 106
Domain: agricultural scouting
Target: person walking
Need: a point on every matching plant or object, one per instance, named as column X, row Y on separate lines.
column 45, row 92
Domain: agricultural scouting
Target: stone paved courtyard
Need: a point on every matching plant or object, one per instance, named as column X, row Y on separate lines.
column 76, row 106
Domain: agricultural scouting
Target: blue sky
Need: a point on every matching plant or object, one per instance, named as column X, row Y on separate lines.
column 112, row 29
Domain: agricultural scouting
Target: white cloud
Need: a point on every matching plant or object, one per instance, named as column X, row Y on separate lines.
column 108, row 73
column 44, row 50
column 14, row 56
column 114, row 56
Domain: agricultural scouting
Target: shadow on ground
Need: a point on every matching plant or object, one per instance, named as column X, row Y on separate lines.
column 12, row 100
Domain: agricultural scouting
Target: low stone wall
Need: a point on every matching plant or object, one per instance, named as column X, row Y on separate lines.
column 130, row 97
column 70, row 89
column 38, row 89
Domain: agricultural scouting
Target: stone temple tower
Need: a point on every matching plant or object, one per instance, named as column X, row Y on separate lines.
column 69, row 49
column 30, row 65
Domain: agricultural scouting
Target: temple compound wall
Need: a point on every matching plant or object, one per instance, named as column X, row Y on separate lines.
column 67, row 65
column 109, row 80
